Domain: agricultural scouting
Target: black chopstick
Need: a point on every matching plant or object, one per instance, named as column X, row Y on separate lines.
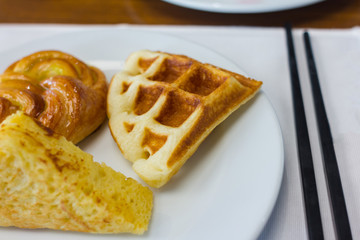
column 340, row 214
column 311, row 199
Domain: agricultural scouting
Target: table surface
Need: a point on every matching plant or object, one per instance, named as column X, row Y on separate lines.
column 327, row 14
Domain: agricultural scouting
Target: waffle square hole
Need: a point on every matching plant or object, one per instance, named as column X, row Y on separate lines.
column 171, row 69
column 125, row 87
column 152, row 142
column 177, row 109
column 146, row 98
column 203, row 82
column 145, row 63
column 128, row 126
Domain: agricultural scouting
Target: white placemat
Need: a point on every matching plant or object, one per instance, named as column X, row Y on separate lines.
column 262, row 53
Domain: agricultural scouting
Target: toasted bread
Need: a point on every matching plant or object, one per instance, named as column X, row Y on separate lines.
column 48, row 182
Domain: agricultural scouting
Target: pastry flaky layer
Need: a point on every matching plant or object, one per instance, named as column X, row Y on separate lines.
column 162, row 106
column 48, row 182
column 57, row 89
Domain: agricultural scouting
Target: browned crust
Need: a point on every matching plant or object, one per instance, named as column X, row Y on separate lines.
column 212, row 92
column 210, row 118
column 205, row 124
column 73, row 104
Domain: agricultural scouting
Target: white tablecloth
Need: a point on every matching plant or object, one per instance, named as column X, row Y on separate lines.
column 262, row 53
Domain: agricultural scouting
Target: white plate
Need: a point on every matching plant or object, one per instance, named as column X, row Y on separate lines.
column 227, row 189
column 242, row 6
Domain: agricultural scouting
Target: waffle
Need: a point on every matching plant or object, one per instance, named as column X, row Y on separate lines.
column 48, row 182
column 57, row 89
column 162, row 106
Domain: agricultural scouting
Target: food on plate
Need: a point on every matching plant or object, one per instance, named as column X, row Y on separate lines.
column 161, row 106
column 48, row 182
column 57, row 89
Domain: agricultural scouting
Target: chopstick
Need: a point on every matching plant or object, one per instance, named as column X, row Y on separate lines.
column 312, row 209
column 340, row 214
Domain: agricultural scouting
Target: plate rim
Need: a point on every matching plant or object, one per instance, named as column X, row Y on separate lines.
column 218, row 7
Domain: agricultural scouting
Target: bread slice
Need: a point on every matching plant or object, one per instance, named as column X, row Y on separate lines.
column 161, row 106
column 48, row 182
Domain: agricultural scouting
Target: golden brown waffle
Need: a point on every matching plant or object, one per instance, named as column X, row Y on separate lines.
column 57, row 89
column 162, row 106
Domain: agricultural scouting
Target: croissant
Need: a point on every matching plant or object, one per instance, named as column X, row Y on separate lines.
column 57, row 89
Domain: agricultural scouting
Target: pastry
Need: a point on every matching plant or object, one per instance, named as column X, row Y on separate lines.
column 48, row 182
column 57, row 89
column 161, row 106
